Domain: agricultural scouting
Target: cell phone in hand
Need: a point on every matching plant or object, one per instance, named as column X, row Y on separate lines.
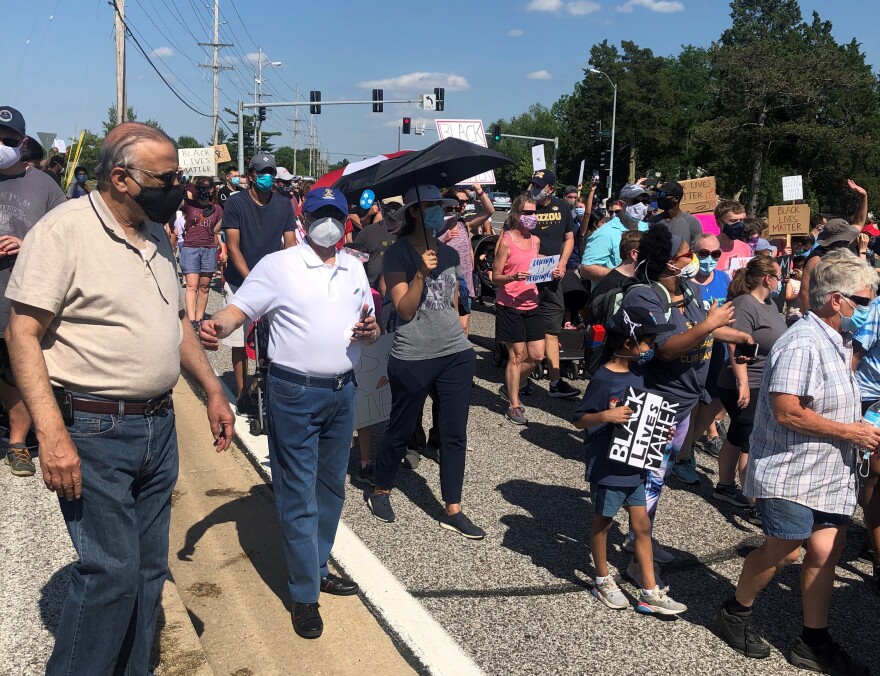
column 746, row 351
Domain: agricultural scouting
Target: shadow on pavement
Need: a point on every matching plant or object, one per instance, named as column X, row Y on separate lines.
column 566, row 442
column 52, row 597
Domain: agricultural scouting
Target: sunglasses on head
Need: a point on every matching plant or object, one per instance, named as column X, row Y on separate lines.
column 705, row 253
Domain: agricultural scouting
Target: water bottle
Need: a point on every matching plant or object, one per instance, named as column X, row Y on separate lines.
column 871, row 417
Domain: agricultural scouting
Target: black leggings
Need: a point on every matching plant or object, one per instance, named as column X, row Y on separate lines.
column 452, row 378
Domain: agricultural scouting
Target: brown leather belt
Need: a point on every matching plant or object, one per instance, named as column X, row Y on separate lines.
column 146, row 408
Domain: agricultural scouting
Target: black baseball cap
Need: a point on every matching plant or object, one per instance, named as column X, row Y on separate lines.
column 671, row 189
column 543, row 177
column 636, row 322
column 10, row 117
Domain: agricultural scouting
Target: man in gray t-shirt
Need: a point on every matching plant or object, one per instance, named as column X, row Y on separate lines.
column 679, row 222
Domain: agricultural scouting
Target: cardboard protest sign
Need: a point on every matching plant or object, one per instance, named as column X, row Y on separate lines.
column 197, row 161
column 467, row 130
column 792, row 188
column 373, row 397
column 699, row 195
column 541, row 269
column 788, row 219
column 221, row 154
column 642, row 441
column 59, row 145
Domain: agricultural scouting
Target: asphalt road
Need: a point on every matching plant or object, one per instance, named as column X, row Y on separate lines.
column 518, row 602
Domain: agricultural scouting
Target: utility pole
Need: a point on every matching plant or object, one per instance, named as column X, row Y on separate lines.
column 258, row 95
column 216, row 67
column 120, row 61
column 295, row 129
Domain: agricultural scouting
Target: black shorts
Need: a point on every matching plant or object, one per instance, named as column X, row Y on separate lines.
column 716, row 365
column 518, row 326
column 742, row 420
column 552, row 306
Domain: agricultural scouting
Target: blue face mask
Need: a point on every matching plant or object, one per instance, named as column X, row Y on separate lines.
column 82, row 178
column 264, row 182
column 708, row 264
column 856, row 321
column 579, row 212
column 734, row 230
column 645, row 357
column 235, row 180
column 774, row 293
column 434, row 218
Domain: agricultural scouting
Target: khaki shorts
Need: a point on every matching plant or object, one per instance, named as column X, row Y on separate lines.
column 236, row 338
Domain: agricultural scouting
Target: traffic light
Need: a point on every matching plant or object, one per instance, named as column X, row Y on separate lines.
column 248, row 139
column 262, row 113
column 315, row 97
column 606, row 157
column 439, row 94
column 592, row 131
column 378, row 96
column 406, row 125
column 602, row 164
column 496, row 133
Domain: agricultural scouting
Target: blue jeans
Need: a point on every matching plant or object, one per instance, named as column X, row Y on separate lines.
column 789, row 520
column 310, row 431
column 119, row 528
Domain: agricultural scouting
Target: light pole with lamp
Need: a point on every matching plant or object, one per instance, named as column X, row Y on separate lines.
column 258, row 95
column 613, row 126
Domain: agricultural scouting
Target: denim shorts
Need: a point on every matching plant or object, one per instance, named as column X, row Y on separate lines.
column 198, row 259
column 607, row 500
column 789, row 520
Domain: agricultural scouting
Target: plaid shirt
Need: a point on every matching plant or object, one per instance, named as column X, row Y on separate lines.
column 810, row 360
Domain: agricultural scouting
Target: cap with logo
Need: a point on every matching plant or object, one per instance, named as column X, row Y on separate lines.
column 325, row 197
column 543, row 177
column 262, row 161
column 636, row 322
column 283, row 175
column 11, row 118
column 671, row 189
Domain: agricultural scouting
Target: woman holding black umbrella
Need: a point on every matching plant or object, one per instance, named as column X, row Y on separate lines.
column 430, row 351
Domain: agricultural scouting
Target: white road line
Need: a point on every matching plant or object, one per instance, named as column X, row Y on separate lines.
column 403, row 615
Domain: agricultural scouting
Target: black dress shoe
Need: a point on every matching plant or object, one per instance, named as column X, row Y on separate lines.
column 333, row 584
column 307, row 620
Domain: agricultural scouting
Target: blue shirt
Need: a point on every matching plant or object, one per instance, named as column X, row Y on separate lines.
column 868, row 373
column 603, row 246
column 715, row 289
column 607, row 389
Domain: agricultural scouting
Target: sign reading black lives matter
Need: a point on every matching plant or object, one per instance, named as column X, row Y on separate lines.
column 642, row 441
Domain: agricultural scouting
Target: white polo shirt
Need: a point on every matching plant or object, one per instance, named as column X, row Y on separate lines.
column 311, row 308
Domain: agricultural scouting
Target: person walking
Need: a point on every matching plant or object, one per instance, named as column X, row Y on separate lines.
column 201, row 242
column 96, row 356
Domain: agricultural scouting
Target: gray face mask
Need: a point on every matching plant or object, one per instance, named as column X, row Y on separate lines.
column 637, row 211
column 539, row 194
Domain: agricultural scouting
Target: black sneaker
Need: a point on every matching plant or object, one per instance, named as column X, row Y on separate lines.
column 244, row 406
column 365, row 475
column 563, row 390
column 755, row 518
column 307, row 621
column 738, row 634
column 380, row 506
column 730, row 493
column 828, row 658
column 18, row 457
column 462, row 525
column 526, row 390
column 412, row 459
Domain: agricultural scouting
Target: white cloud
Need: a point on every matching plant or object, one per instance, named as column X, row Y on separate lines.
column 662, row 6
column 582, row 7
column 423, row 82
column 162, row 52
column 540, row 75
column 515, row 33
column 544, row 6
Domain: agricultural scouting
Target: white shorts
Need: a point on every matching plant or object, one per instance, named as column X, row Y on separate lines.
column 236, row 338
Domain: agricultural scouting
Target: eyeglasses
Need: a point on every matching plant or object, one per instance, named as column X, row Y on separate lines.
column 705, row 253
column 858, row 300
column 168, row 178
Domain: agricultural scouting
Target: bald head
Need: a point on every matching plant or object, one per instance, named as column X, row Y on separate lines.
column 132, row 144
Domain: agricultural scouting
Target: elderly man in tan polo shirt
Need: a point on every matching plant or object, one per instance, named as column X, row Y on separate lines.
column 97, row 338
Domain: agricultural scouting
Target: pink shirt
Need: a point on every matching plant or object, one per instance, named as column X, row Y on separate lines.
column 738, row 249
column 518, row 295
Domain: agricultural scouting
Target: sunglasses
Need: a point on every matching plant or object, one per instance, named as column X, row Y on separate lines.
column 167, row 178
column 528, row 213
column 858, row 300
column 10, row 142
column 705, row 253
column 686, row 254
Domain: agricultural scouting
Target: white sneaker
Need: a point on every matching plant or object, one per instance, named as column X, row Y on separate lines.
column 610, row 594
column 657, row 602
column 660, row 555
column 634, row 573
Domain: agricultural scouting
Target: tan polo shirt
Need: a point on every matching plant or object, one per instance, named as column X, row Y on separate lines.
column 116, row 331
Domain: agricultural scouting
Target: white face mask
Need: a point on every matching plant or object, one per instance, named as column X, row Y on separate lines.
column 637, row 211
column 326, row 232
column 9, row 156
column 689, row 271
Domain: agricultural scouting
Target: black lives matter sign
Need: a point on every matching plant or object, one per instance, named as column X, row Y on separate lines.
column 642, row 441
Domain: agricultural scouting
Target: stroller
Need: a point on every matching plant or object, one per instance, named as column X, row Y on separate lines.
column 257, row 346
column 484, row 258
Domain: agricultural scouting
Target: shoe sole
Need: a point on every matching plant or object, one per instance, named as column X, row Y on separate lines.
column 685, row 481
column 308, row 634
column 353, row 592
column 803, row 662
column 724, row 631
column 19, row 472
column 608, row 603
column 729, row 500
column 464, row 535
column 376, row 516
column 517, row 422
column 647, row 609
column 562, row 395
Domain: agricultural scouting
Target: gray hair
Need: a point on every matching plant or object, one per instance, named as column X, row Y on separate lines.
column 703, row 236
column 120, row 146
column 839, row 271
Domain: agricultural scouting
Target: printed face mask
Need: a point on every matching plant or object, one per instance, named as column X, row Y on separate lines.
column 539, row 194
column 689, row 271
column 528, row 221
column 203, row 194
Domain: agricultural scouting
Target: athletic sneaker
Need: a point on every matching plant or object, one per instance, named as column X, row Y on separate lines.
column 562, row 390
column 244, row 406
column 462, row 525
column 610, row 594
column 686, row 471
column 660, row 555
column 380, row 506
column 828, row 658
column 634, row 574
column 412, row 459
column 503, row 392
column 517, row 415
column 738, row 633
column 755, row 518
column 657, row 602
column 18, row 457
column 526, row 390
column 721, row 428
column 730, row 493
column 713, row 446
column 365, row 475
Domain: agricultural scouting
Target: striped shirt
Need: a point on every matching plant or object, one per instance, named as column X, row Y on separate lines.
column 810, row 360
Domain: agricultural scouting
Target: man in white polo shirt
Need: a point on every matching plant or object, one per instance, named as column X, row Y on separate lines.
column 320, row 311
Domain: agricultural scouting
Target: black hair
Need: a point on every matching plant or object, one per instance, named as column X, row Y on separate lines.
column 617, row 341
column 654, row 252
column 409, row 223
column 79, row 169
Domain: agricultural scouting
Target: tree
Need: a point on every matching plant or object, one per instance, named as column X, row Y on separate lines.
column 189, row 142
column 131, row 116
column 538, row 121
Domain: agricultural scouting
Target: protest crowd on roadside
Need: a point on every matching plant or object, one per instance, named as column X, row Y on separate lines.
column 718, row 335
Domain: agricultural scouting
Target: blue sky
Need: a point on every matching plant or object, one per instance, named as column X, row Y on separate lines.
column 495, row 57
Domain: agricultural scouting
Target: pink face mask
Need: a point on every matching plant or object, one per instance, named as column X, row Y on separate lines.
column 528, row 221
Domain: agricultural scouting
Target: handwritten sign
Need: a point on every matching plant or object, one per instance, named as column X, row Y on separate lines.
column 467, row 130
column 699, row 195
column 221, row 154
column 541, row 269
column 792, row 188
column 373, row 397
column 197, row 161
column 788, row 219
column 642, row 441
column 538, row 161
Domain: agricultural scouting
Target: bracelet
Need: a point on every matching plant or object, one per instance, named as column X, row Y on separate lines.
column 481, row 193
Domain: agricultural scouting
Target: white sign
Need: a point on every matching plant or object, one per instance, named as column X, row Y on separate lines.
column 467, row 130
column 642, row 441
column 538, row 161
column 373, row 397
column 428, row 102
column 197, row 161
column 581, row 174
column 792, row 188
column 60, row 146
column 541, row 269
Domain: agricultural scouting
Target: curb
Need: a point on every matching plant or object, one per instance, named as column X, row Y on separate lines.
column 177, row 646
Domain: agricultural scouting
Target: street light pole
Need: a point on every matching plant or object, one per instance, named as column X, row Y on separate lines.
column 613, row 127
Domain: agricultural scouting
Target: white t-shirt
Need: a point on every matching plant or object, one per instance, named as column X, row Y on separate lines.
column 311, row 308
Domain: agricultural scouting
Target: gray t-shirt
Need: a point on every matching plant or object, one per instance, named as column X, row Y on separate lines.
column 684, row 225
column 764, row 323
column 435, row 331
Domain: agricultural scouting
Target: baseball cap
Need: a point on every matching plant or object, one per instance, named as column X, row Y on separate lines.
column 262, row 161
column 671, row 189
column 283, row 175
column 636, row 322
column 10, row 117
column 630, row 191
column 570, row 189
column 543, row 177
column 325, row 197
column 837, row 230
column 764, row 245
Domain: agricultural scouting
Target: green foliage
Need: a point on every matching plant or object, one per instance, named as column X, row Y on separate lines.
column 189, row 142
column 131, row 116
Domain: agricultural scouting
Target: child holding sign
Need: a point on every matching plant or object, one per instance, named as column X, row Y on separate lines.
column 615, row 484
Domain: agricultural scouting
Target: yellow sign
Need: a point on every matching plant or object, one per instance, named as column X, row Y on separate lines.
column 788, row 219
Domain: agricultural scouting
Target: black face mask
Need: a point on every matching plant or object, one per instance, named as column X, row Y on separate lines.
column 159, row 204
column 203, row 194
column 666, row 203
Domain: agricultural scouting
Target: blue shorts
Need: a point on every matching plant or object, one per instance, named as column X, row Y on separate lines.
column 789, row 520
column 607, row 500
column 198, row 260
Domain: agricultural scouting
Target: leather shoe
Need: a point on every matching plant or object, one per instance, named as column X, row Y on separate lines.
column 337, row 586
column 307, row 620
